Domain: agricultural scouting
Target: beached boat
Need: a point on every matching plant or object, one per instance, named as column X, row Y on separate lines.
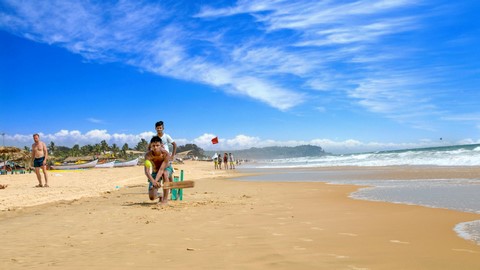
column 105, row 165
column 75, row 166
column 126, row 163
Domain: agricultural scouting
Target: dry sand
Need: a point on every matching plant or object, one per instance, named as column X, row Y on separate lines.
column 102, row 219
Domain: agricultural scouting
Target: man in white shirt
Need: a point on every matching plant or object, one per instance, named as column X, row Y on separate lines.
column 167, row 141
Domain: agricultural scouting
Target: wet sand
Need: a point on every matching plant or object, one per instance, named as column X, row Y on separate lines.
column 102, row 219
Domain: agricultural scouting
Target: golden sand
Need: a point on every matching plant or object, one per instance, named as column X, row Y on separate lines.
column 102, row 219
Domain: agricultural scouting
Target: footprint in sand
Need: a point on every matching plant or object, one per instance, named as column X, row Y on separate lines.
column 192, row 239
column 336, row 256
column 353, row 267
column 399, row 242
column 464, row 250
column 305, row 239
column 348, row 234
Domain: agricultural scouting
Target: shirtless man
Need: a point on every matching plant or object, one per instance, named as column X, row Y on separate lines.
column 156, row 169
column 39, row 159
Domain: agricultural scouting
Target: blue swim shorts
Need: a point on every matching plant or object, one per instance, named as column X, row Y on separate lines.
column 169, row 169
column 38, row 162
column 154, row 175
column 150, row 185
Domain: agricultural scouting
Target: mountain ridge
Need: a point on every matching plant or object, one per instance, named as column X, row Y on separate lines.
column 274, row 152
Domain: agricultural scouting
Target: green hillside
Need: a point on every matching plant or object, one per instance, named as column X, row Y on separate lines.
column 274, row 152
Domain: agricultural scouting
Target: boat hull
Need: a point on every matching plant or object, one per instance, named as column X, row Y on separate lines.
column 75, row 166
column 106, row 165
column 127, row 163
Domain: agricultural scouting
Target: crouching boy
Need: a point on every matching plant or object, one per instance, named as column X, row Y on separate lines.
column 156, row 162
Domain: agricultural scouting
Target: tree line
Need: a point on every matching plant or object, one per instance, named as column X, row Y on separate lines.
column 112, row 151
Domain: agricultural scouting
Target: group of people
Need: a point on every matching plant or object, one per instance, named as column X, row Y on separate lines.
column 227, row 160
column 158, row 162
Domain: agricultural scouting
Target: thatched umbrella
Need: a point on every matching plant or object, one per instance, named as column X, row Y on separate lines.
column 24, row 157
column 7, row 151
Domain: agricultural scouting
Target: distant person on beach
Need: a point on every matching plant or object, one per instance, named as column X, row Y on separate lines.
column 231, row 160
column 225, row 161
column 215, row 160
column 220, row 161
column 39, row 159
column 156, row 168
column 167, row 141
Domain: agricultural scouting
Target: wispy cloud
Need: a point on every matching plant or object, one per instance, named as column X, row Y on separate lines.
column 475, row 117
column 95, row 120
column 396, row 97
column 286, row 49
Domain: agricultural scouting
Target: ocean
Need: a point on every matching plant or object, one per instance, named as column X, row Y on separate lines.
column 455, row 194
column 459, row 155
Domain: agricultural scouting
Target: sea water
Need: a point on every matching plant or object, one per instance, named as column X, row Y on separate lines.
column 456, row 194
column 460, row 155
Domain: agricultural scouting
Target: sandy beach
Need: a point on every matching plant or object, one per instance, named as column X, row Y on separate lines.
column 102, row 219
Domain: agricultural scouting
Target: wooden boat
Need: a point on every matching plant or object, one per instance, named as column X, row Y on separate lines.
column 75, row 166
column 105, row 165
column 133, row 162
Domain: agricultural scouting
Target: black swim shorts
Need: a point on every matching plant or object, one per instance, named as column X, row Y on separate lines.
column 38, row 162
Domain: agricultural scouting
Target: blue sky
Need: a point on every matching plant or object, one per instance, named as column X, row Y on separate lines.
column 349, row 76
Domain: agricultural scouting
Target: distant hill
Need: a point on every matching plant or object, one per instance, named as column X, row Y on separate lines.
column 275, row 152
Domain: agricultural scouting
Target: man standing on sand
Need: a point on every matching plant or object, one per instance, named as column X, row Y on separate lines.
column 39, row 159
column 167, row 141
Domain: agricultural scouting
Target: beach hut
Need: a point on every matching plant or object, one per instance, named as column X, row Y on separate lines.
column 135, row 153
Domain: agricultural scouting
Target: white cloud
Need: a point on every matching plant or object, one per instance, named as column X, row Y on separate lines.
column 241, row 141
column 97, row 134
column 95, row 120
column 204, row 140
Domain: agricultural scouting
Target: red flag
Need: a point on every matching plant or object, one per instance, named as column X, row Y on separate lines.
column 215, row 140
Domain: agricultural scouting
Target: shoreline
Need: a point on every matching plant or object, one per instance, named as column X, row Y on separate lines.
column 223, row 223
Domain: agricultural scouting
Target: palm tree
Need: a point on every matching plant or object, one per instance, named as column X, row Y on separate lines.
column 104, row 146
column 86, row 150
column 115, row 149
column 142, row 145
column 51, row 147
column 75, row 151
column 125, row 148
column 97, row 148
